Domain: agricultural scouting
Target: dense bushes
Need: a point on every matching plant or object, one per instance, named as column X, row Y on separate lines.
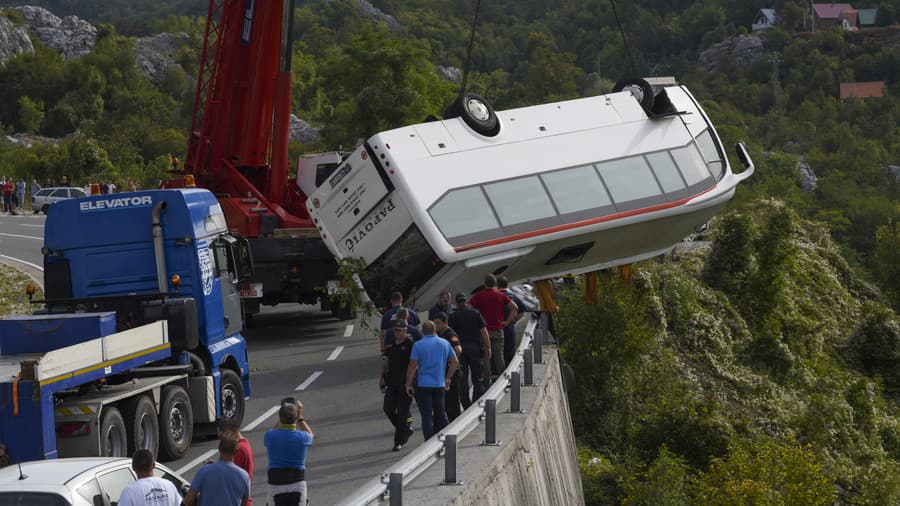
column 777, row 387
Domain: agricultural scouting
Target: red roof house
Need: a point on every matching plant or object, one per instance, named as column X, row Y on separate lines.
column 827, row 15
column 874, row 89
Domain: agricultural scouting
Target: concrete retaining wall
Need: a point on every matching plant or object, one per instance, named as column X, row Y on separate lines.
column 536, row 463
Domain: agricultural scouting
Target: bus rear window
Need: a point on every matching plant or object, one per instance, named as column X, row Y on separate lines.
column 405, row 266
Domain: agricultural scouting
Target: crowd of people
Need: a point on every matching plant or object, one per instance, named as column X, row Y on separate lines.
column 227, row 482
column 14, row 191
column 447, row 362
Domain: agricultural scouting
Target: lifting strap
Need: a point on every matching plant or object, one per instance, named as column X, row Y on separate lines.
column 545, row 295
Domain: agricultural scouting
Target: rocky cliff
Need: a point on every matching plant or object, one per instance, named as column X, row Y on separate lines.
column 70, row 36
column 13, row 40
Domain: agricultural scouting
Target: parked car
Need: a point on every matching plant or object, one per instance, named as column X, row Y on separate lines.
column 41, row 201
column 86, row 481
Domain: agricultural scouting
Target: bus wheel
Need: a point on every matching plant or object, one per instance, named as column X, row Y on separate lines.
column 477, row 112
column 176, row 423
column 640, row 89
column 232, row 392
column 142, row 425
column 113, row 442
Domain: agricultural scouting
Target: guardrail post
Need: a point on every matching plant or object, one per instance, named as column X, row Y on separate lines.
column 490, row 423
column 450, row 460
column 395, row 489
column 529, row 367
column 537, row 343
column 515, row 393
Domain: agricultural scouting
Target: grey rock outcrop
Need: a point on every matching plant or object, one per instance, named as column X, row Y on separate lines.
column 895, row 170
column 303, row 132
column 808, row 179
column 370, row 11
column 154, row 55
column 738, row 51
column 13, row 40
column 70, row 36
column 452, row 74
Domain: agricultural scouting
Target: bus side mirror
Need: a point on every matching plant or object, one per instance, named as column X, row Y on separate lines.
column 749, row 168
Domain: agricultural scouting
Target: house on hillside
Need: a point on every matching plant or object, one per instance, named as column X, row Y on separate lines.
column 873, row 89
column 765, row 19
column 827, row 16
column 866, row 17
column 849, row 19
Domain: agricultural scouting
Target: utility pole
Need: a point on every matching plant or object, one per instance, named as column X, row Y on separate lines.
column 776, row 81
column 812, row 16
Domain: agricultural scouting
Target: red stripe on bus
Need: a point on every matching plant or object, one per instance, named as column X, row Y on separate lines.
column 583, row 223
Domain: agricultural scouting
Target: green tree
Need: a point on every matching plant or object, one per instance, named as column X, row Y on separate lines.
column 887, row 260
column 31, row 114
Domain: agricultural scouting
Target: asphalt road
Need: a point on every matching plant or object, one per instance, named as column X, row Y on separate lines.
column 331, row 366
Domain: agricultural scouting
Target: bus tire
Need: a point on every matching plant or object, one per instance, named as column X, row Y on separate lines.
column 232, row 394
column 176, row 423
column 476, row 112
column 141, row 424
column 113, row 439
column 640, row 89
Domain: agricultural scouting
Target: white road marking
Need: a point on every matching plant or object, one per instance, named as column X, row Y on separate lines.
column 348, row 331
column 312, row 377
column 24, row 237
column 334, row 354
column 27, row 225
column 262, row 418
column 29, row 264
column 196, row 462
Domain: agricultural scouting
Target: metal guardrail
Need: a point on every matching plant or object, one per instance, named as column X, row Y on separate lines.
column 389, row 485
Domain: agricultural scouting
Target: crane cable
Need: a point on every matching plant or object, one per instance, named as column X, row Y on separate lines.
column 465, row 79
column 624, row 38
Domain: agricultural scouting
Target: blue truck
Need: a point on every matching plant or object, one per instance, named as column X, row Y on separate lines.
column 138, row 339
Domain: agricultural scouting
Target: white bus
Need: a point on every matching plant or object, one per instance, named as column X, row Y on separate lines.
column 532, row 193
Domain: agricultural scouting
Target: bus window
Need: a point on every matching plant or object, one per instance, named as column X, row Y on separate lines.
column 711, row 153
column 666, row 171
column 520, row 200
column 464, row 212
column 576, row 189
column 693, row 166
column 629, row 179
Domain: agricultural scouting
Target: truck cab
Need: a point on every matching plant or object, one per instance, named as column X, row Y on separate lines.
column 141, row 323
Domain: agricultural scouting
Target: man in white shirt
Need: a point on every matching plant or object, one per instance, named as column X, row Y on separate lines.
column 148, row 490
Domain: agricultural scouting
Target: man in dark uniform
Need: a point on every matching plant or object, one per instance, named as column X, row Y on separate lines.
column 393, row 382
column 476, row 344
column 443, row 305
column 509, row 331
column 402, row 314
column 391, row 314
column 452, row 396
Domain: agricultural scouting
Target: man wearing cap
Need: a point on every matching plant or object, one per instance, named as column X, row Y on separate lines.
column 391, row 314
column 476, row 345
column 396, row 403
column 286, row 446
column 435, row 362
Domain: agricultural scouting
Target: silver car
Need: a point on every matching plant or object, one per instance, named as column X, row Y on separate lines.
column 87, row 481
column 41, row 201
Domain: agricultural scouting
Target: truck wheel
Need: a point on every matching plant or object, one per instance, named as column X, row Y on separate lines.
column 142, row 424
column 113, row 440
column 176, row 423
column 232, row 395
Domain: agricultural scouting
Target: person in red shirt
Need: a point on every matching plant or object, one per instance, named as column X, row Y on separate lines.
column 491, row 303
column 243, row 457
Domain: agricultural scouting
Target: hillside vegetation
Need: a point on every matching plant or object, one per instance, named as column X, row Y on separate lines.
column 761, row 371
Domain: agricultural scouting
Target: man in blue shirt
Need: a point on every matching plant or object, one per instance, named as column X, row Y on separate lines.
column 436, row 363
column 391, row 314
column 401, row 318
column 286, row 446
column 222, row 483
